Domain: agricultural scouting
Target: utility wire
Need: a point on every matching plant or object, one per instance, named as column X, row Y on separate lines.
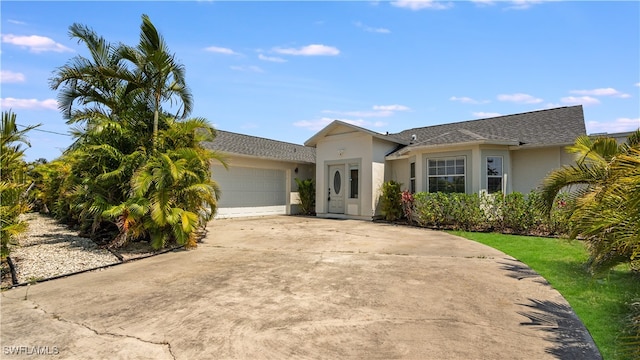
column 46, row 131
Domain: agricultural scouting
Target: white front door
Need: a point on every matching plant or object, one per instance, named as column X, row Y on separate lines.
column 337, row 186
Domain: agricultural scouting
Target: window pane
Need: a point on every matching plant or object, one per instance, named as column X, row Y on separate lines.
column 441, row 163
column 494, row 166
column 412, row 185
column 337, row 182
column 494, row 184
column 459, row 170
column 450, row 162
column 447, row 184
column 451, row 170
column 354, row 183
column 412, row 170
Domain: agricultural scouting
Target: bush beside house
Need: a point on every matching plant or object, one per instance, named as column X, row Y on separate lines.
column 514, row 213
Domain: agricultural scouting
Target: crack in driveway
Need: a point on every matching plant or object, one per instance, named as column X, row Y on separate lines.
column 105, row 333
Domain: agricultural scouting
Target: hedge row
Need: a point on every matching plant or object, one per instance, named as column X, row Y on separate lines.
column 513, row 213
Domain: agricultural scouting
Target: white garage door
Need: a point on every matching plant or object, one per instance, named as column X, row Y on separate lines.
column 250, row 191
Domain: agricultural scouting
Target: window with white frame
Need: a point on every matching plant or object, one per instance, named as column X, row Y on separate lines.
column 412, row 177
column 494, row 174
column 446, row 175
column 353, row 181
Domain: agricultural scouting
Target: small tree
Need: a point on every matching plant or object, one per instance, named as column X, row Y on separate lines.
column 307, row 195
column 391, row 200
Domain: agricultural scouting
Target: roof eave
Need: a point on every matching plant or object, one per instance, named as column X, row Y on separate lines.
column 229, row 154
column 405, row 152
column 537, row 146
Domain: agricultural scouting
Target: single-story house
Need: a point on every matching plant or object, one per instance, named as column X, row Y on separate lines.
column 349, row 163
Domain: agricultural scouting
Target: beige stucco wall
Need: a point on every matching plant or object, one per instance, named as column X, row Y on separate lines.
column 398, row 170
column 380, row 150
column 531, row 166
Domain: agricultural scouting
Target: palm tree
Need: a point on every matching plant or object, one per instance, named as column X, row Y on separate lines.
column 172, row 194
column 607, row 210
column 12, row 182
column 112, row 95
column 157, row 75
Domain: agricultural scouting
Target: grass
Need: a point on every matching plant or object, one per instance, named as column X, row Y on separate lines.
column 601, row 301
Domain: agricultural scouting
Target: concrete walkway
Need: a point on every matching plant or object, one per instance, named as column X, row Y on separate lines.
column 306, row 288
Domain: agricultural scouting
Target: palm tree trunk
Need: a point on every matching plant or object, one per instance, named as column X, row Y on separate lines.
column 155, row 121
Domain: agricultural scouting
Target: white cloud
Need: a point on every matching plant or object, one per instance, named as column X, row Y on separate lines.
column 17, row 22
column 8, row 76
column 520, row 98
column 580, row 100
column 601, row 92
column 372, row 29
column 378, row 111
column 416, row 5
column 514, row 4
column 482, row 114
column 617, row 125
column 12, row 103
column 271, row 58
column 318, row 124
column 483, row 2
column 220, row 50
column 551, row 106
column 467, row 100
column 35, row 44
column 523, row 4
column 309, row 50
column 394, row 107
column 637, row 84
column 360, row 113
column 248, row 68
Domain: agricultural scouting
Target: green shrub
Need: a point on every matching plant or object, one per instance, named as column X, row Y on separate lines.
column 513, row 213
column 559, row 221
column 307, row 194
column 391, row 200
column 517, row 214
column 450, row 210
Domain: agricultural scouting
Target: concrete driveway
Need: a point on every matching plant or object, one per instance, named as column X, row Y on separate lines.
column 294, row 287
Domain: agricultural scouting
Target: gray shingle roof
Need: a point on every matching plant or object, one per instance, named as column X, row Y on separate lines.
column 228, row 142
column 559, row 126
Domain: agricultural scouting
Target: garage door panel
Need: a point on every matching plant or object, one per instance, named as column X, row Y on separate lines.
column 251, row 191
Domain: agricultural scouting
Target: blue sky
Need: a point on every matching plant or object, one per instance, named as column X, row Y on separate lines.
column 284, row 70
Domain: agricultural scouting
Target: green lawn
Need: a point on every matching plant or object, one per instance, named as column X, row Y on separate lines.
column 600, row 301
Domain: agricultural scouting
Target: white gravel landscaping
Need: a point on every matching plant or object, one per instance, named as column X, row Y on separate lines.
column 49, row 249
